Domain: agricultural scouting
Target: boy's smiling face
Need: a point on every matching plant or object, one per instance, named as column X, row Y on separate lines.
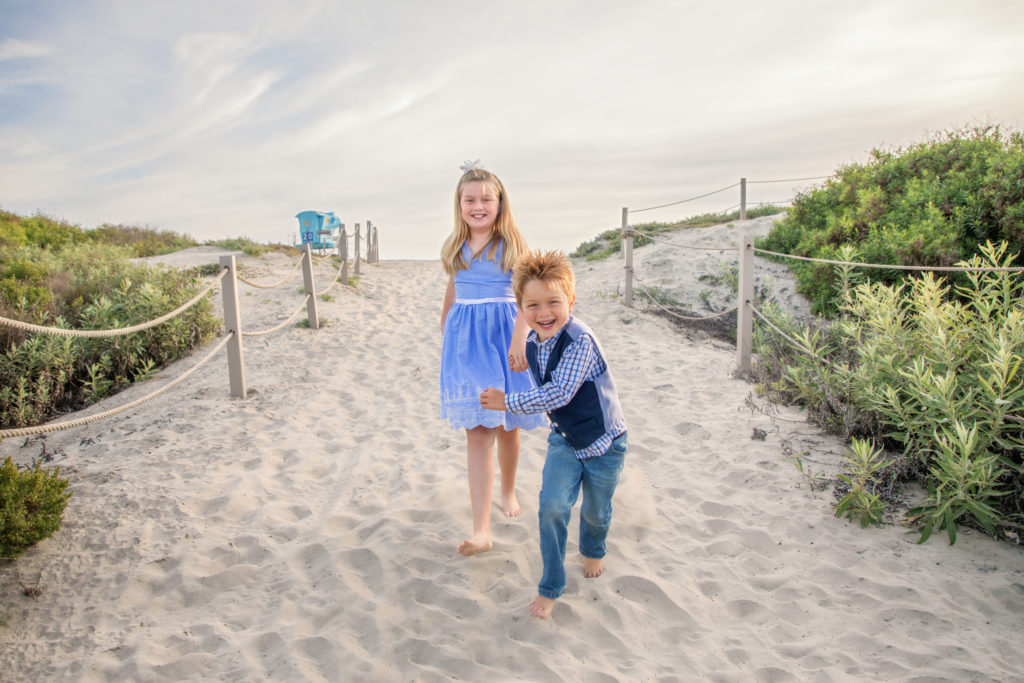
column 546, row 307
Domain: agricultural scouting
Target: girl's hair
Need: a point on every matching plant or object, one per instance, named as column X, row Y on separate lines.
column 552, row 268
column 505, row 229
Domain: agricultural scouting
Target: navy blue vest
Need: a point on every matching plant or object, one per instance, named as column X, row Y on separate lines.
column 595, row 408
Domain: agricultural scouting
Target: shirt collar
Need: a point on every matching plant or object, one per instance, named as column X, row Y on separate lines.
column 547, row 343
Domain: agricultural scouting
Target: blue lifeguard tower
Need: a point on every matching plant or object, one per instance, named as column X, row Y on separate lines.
column 318, row 228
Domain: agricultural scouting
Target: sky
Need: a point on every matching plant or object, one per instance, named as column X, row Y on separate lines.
column 224, row 119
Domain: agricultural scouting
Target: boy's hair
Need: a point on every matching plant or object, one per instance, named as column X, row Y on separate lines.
column 505, row 229
column 549, row 267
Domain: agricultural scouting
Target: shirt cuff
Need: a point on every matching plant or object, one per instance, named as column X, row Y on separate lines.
column 512, row 403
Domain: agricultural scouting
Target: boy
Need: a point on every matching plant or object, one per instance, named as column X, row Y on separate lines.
column 587, row 444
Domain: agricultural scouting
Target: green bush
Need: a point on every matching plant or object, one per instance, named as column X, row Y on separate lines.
column 31, row 506
column 933, row 372
column 88, row 285
column 931, row 205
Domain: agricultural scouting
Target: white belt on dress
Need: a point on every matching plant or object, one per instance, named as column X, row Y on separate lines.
column 491, row 300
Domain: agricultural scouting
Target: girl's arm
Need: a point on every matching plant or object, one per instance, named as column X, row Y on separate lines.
column 517, row 349
column 449, row 299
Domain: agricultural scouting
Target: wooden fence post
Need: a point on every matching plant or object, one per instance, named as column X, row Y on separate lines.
column 369, row 242
column 344, row 255
column 627, row 236
column 745, row 300
column 355, row 257
column 743, row 199
column 233, row 324
column 307, row 278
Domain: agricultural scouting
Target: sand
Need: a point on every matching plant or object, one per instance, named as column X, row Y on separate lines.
column 309, row 531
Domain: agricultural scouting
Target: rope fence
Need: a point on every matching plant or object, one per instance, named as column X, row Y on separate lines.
column 118, row 332
column 745, row 309
column 58, row 426
column 228, row 279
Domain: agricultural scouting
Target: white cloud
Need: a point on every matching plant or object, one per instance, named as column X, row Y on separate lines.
column 12, row 48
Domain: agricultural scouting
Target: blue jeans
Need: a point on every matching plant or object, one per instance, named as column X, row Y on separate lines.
column 564, row 476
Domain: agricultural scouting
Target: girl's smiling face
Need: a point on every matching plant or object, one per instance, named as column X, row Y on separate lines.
column 546, row 307
column 480, row 205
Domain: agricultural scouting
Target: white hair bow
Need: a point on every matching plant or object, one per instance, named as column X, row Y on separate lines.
column 468, row 166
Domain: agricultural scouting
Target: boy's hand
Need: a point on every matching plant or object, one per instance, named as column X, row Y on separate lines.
column 492, row 399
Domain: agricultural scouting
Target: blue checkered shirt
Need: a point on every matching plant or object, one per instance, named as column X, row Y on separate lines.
column 580, row 362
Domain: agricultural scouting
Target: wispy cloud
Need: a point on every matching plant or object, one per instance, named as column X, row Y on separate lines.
column 12, row 48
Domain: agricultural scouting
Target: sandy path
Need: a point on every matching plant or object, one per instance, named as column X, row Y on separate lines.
column 308, row 532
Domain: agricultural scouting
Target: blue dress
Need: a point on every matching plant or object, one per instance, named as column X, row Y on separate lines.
column 474, row 351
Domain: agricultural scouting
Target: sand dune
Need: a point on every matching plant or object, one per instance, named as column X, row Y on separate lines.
column 309, row 531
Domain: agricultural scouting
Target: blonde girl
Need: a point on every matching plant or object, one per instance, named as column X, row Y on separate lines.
column 484, row 344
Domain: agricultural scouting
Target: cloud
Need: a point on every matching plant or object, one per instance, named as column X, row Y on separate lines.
column 12, row 49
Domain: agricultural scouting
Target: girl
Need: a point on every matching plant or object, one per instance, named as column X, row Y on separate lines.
column 481, row 331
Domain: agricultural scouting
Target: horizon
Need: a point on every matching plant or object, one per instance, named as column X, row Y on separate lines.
column 228, row 120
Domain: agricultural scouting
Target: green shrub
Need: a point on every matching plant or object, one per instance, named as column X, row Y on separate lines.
column 242, row 244
column 931, row 204
column 933, row 372
column 89, row 286
column 31, row 506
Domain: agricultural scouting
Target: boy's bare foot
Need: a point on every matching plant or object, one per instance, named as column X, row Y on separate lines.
column 479, row 543
column 541, row 607
column 593, row 567
column 510, row 505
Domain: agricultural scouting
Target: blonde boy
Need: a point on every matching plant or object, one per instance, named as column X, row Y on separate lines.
column 587, row 443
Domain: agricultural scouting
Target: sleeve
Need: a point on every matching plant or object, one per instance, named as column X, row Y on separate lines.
column 579, row 362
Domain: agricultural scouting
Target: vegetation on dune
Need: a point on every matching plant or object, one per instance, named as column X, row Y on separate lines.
column 921, row 371
column 932, row 204
column 609, row 242
column 55, row 274
column 926, row 366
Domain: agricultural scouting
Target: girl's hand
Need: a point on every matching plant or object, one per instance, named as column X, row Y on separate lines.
column 517, row 357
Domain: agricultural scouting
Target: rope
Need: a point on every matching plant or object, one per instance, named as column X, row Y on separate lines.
column 947, row 269
column 781, row 333
column 341, row 267
column 61, row 332
column 276, row 284
column 683, row 317
column 786, row 180
column 278, row 327
column 683, row 201
column 54, row 427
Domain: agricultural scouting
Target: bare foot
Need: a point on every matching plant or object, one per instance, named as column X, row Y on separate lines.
column 479, row 543
column 510, row 505
column 541, row 607
column 593, row 567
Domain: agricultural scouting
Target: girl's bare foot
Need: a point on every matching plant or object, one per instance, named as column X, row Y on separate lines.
column 479, row 543
column 593, row 567
column 510, row 505
column 541, row 607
